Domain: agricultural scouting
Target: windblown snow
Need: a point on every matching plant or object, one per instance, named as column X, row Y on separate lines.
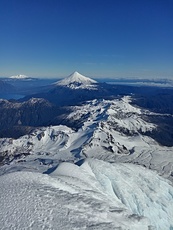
column 60, row 178
column 96, row 195
column 77, row 81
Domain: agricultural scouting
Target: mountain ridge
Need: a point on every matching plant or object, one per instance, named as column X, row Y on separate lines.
column 108, row 130
column 88, row 174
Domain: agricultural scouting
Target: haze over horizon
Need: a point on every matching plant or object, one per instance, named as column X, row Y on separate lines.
column 97, row 38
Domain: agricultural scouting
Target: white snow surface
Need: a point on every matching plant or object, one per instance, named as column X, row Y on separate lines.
column 102, row 136
column 96, row 195
column 19, row 76
column 106, row 192
column 77, row 81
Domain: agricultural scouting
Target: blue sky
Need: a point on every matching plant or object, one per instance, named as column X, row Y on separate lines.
column 99, row 38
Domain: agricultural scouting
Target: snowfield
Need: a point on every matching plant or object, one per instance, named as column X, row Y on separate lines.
column 88, row 178
column 113, row 131
column 96, row 195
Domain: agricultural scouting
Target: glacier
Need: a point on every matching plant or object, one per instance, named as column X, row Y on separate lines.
column 95, row 195
column 113, row 131
column 88, row 178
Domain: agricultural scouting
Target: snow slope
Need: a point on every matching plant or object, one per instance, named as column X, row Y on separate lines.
column 113, row 131
column 77, row 81
column 104, row 192
column 96, row 195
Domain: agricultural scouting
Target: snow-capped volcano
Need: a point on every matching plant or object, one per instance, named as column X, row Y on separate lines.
column 77, row 81
column 19, row 76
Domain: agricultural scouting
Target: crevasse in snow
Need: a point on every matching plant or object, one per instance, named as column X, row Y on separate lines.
column 96, row 195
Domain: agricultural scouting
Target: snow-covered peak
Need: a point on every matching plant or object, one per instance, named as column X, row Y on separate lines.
column 19, row 76
column 77, row 81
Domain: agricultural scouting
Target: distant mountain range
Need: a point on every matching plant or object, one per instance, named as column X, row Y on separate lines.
column 21, row 77
column 109, row 130
column 77, row 88
column 6, row 87
column 53, row 103
column 19, row 118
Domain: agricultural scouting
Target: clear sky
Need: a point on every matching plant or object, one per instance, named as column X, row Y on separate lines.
column 99, row 38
